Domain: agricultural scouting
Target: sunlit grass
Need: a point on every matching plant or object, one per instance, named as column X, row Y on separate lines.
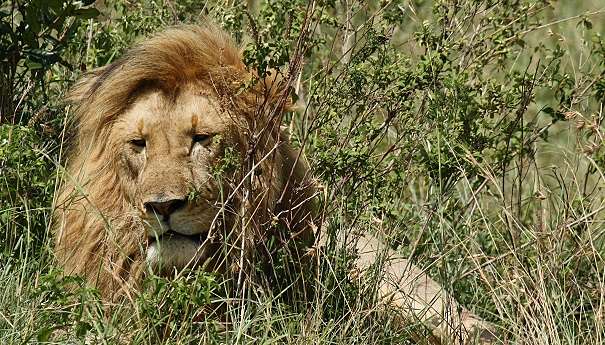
column 526, row 251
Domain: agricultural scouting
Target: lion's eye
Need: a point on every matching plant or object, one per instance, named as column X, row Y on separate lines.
column 138, row 143
column 202, row 139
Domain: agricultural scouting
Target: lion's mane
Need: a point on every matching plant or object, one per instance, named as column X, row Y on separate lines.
column 98, row 232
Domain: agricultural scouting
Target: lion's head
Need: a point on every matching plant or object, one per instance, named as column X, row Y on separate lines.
column 178, row 161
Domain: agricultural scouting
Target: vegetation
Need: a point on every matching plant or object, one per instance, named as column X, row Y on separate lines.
column 469, row 133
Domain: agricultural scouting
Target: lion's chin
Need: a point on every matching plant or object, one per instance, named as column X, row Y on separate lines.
column 173, row 252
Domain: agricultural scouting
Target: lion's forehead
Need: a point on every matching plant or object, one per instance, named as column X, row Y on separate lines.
column 190, row 110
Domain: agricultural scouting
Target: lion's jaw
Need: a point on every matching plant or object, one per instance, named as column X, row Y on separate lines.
column 168, row 146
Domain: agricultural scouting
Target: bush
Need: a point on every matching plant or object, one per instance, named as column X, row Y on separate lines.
column 468, row 133
column 27, row 190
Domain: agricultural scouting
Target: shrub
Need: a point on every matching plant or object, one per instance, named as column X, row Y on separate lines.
column 467, row 133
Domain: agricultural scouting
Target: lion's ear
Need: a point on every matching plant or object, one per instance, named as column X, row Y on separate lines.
column 277, row 95
column 82, row 88
column 86, row 85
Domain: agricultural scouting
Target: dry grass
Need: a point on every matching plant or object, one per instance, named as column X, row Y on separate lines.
column 524, row 248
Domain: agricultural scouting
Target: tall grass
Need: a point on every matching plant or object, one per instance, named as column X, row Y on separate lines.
column 468, row 135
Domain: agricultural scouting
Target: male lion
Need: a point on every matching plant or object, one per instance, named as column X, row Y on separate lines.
column 178, row 162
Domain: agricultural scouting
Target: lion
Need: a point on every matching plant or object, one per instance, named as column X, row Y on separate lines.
column 178, row 162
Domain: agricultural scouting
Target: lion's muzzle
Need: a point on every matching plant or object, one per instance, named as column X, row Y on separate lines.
column 173, row 251
column 174, row 240
column 163, row 206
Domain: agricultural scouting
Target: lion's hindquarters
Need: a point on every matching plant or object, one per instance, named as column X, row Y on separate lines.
column 407, row 290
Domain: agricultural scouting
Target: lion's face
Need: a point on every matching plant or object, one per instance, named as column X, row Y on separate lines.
column 146, row 184
column 168, row 146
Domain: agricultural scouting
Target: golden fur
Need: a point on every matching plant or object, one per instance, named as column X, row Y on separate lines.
column 102, row 227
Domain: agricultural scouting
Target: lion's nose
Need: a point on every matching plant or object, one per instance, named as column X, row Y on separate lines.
column 164, row 207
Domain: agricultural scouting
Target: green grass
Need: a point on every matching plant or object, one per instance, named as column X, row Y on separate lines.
column 471, row 177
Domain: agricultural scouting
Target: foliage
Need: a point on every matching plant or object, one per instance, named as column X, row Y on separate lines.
column 27, row 189
column 177, row 306
column 65, row 303
column 467, row 133
column 34, row 35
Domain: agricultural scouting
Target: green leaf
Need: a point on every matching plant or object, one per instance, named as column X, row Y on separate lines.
column 44, row 334
column 32, row 22
column 33, row 65
column 587, row 23
column 86, row 13
column 554, row 114
column 5, row 28
column 56, row 5
column 82, row 328
column 549, row 110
